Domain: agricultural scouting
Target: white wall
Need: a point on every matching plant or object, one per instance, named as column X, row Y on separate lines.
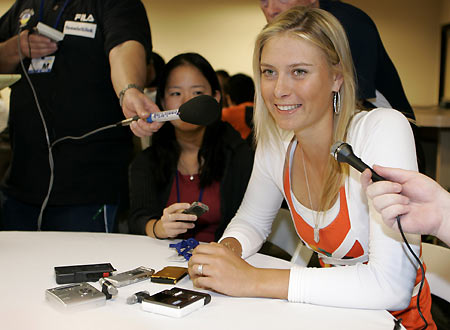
column 4, row 5
column 410, row 30
column 446, row 20
column 222, row 31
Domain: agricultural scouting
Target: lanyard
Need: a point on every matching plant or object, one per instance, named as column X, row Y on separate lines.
column 58, row 18
column 200, row 197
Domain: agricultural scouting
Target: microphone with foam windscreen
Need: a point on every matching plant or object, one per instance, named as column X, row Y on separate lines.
column 343, row 153
column 201, row 110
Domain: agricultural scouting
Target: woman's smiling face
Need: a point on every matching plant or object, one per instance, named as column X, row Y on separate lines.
column 297, row 82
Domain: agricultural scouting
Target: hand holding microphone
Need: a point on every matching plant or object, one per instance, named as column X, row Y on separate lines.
column 201, row 110
column 343, row 153
column 33, row 45
column 137, row 105
column 423, row 204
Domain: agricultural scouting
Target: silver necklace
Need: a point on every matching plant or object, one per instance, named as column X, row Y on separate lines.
column 316, row 224
column 183, row 167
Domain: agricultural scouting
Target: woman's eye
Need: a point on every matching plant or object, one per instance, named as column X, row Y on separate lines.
column 268, row 72
column 299, row 72
column 199, row 93
column 174, row 94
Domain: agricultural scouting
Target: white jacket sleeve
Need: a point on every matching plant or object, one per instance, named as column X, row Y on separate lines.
column 253, row 221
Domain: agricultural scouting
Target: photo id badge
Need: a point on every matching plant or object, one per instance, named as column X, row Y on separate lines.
column 41, row 65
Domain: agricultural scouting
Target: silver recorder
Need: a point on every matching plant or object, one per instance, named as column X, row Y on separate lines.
column 129, row 277
column 75, row 296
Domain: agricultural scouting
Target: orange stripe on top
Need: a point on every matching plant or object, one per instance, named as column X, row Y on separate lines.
column 332, row 236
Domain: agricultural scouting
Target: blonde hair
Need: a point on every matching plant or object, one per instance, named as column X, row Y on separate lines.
column 325, row 32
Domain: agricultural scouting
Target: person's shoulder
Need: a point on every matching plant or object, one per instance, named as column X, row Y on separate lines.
column 230, row 135
column 384, row 114
column 228, row 112
column 232, row 140
column 343, row 8
column 348, row 14
column 370, row 121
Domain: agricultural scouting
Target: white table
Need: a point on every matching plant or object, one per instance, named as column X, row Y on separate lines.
column 27, row 260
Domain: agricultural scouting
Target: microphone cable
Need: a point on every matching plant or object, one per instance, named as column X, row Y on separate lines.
column 422, row 269
column 50, row 144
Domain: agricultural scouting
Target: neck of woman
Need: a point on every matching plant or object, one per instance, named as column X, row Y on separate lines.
column 190, row 143
column 316, row 146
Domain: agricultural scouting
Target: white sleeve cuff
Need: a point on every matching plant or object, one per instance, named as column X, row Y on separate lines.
column 248, row 249
column 295, row 282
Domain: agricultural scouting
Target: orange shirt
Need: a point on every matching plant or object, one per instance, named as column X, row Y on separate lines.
column 235, row 115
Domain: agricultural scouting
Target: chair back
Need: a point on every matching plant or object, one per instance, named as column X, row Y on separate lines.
column 285, row 236
column 437, row 260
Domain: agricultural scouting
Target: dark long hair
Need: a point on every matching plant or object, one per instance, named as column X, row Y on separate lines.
column 165, row 146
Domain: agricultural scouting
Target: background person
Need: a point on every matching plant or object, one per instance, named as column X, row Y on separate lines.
column 77, row 83
column 240, row 93
column 305, row 101
column 188, row 163
column 423, row 204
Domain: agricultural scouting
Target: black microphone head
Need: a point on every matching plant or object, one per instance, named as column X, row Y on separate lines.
column 341, row 151
column 201, row 110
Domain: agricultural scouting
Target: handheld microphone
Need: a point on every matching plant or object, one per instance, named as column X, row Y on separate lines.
column 201, row 110
column 343, row 153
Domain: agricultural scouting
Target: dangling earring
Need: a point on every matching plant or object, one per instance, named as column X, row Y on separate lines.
column 337, row 102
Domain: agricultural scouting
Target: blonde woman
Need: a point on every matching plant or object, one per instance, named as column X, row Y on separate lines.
column 305, row 101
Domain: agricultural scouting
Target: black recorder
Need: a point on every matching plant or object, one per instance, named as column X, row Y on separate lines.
column 196, row 208
column 82, row 273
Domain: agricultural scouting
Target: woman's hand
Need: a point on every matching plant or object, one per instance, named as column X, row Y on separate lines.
column 172, row 223
column 215, row 266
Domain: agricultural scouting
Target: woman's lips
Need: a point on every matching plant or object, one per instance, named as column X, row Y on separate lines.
column 287, row 107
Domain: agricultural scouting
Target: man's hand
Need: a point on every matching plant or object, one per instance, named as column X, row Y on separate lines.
column 35, row 45
column 128, row 66
column 422, row 204
column 31, row 45
column 137, row 103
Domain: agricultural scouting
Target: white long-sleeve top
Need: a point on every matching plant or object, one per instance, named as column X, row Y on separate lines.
column 386, row 281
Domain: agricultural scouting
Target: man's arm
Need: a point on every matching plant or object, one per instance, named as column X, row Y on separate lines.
column 31, row 45
column 128, row 66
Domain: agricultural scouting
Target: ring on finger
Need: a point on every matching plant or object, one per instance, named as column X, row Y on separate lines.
column 200, row 269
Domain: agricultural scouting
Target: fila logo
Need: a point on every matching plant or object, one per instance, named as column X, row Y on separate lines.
column 83, row 18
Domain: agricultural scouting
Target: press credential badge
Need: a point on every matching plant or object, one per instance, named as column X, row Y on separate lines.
column 41, row 65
